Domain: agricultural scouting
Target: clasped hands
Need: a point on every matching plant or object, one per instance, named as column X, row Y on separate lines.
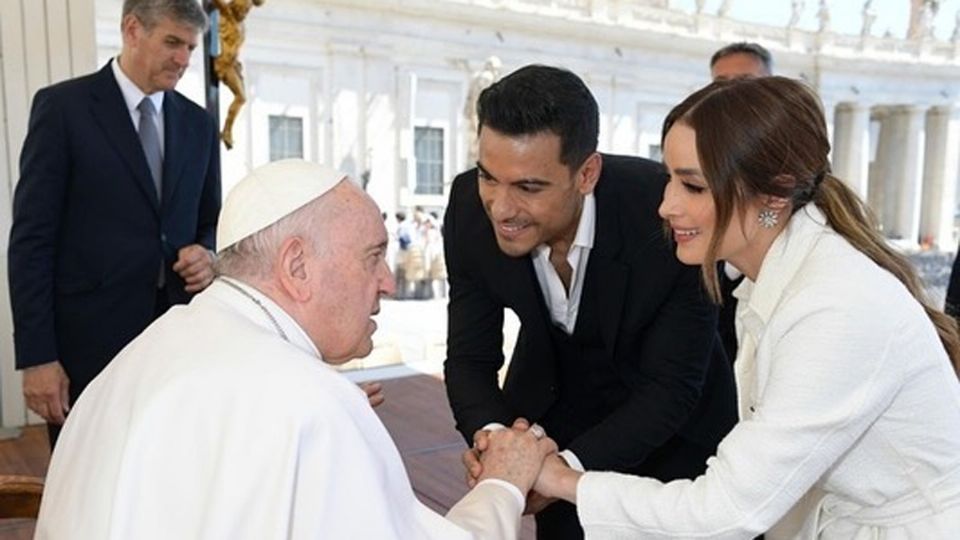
column 522, row 455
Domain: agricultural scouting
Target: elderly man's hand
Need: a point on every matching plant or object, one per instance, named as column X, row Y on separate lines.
column 471, row 457
column 46, row 389
column 515, row 455
column 374, row 392
column 195, row 266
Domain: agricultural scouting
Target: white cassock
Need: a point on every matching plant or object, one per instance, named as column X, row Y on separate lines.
column 210, row 425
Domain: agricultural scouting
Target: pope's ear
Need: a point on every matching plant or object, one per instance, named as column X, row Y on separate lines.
column 292, row 268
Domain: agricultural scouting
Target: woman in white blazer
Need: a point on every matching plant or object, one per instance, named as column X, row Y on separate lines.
column 848, row 392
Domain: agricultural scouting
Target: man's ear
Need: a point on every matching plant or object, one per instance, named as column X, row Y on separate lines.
column 292, row 269
column 589, row 173
column 129, row 28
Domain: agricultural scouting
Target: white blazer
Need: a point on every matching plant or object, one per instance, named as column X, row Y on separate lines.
column 850, row 414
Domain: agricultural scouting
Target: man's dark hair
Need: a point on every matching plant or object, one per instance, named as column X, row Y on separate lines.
column 538, row 98
column 745, row 47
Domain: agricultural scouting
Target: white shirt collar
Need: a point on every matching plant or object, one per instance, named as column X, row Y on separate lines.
column 565, row 307
column 132, row 95
column 585, row 228
column 588, row 223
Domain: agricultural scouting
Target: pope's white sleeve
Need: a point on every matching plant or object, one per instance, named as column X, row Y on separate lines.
column 491, row 511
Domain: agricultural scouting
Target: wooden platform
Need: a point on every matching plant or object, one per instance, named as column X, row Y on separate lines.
column 418, row 417
column 416, row 414
column 28, row 454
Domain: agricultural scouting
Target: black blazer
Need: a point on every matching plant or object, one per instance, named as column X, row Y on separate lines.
column 660, row 371
column 952, row 304
column 88, row 232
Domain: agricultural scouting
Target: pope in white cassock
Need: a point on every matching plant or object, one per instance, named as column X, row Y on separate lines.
column 224, row 419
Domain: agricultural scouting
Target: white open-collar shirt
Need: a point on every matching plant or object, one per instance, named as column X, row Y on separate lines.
column 564, row 305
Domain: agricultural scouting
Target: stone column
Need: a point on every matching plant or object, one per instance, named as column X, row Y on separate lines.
column 907, row 166
column 877, row 187
column 348, row 107
column 851, row 145
column 407, row 82
column 900, row 170
column 941, row 165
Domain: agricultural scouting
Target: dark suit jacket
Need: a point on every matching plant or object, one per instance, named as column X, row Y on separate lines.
column 88, row 232
column 660, row 371
column 952, row 305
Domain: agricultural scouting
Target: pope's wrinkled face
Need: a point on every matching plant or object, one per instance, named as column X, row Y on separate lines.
column 156, row 58
column 530, row 197
column 350, row 275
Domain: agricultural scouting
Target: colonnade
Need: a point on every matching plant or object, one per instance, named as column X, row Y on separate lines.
column 904, row 161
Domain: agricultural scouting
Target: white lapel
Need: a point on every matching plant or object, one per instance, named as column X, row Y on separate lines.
column 758, row 301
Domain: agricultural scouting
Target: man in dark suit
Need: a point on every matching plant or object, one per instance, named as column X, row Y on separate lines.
column 115, row 211
column 741, row 59
column 617, row 355
column 952, row 303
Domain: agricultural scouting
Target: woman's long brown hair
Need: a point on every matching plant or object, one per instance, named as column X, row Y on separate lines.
column 767, row 136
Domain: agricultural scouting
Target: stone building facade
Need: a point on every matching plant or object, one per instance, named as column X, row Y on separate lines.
column 379, row 88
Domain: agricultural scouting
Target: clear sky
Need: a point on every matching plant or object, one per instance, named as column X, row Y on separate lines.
column 845, row 15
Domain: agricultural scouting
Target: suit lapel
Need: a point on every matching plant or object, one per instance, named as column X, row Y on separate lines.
column 174, row 140
column 110, row 113
column 530, row 380
column 605, row 283
column 522, row 286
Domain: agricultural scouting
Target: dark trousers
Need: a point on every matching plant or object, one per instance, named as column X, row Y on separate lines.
column 161, row 305
column 53, row 432
column 677, row 459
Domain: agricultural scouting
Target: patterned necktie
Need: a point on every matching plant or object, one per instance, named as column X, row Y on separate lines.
column 150, row 140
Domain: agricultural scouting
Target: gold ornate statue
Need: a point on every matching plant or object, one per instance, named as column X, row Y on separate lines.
column 227, row 65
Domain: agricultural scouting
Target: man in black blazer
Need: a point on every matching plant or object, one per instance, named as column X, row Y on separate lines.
column 952, row 303
column 115, row 212
column 617, row 355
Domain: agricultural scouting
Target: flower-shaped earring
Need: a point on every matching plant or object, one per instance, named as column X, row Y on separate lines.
column 768, row 218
